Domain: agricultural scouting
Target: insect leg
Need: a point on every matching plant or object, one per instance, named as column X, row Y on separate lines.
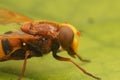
column 84, row 60
column 69, row 60
column 80, row 58
column 24, row 65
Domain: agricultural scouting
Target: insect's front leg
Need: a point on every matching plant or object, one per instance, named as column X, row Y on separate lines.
column 79, row 57
column 82, row 59
column 69, row 60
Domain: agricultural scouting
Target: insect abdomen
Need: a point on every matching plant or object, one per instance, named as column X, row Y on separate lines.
column 11, row 49
column 2, row 53
column 6, row 46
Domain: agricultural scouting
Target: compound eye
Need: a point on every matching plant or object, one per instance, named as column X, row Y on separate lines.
column 66, row 36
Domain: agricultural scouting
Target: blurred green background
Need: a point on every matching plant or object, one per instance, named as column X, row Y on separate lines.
column 99, row 23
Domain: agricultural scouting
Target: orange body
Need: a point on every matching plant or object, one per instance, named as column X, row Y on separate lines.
column 10, row 45
column 15, row 44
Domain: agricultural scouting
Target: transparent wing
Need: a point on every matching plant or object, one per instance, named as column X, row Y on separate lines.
column 7, row 16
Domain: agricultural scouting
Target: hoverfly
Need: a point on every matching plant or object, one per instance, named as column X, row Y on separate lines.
column 37, row 38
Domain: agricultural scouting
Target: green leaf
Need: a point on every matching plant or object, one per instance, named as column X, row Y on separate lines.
column 99, row 23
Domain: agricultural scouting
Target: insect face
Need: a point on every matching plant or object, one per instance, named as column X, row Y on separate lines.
column 75, row 42
column 66, row 37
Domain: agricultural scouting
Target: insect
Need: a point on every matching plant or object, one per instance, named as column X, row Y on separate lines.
column 37, row 38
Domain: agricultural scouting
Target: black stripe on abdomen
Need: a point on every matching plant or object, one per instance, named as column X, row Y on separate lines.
column 6, row 46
